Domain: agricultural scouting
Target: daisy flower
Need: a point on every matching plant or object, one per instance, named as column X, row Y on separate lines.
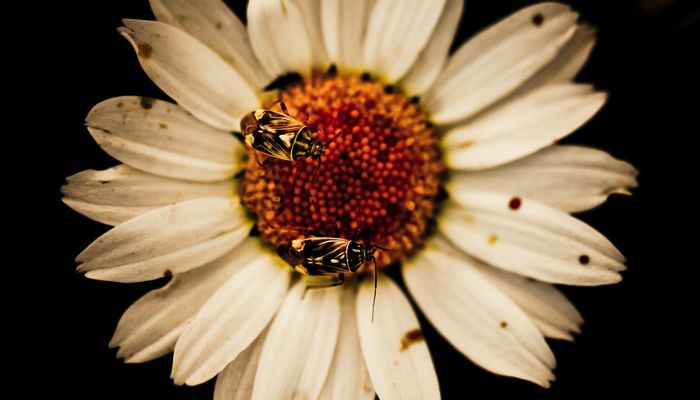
column 447, row 161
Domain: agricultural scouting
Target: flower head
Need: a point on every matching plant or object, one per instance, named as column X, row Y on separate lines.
column 445, row 166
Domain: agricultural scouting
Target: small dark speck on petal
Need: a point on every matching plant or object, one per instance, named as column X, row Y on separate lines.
column 515, row 203
column 145, row 50
column 366, row 77
column 120, row 105
column 219, row 25
column 414, row 99
column 167, row 273
column 163, row 126
column 504, row 324
column 584, row 259
column 389, row 89
column 538, row 19
column 147, row 102
column 411, row 337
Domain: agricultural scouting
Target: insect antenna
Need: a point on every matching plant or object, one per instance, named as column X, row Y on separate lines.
column 376, row 274
column 294, row 228
column 337, row 135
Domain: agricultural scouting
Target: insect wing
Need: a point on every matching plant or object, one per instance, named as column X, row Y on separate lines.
column 277, row 134
column 325, row 255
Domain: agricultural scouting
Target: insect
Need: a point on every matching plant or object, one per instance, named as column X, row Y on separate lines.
column 327, row 256
column 280, row 136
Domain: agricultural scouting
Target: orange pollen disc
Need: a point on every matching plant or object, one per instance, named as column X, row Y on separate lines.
column 379, row 178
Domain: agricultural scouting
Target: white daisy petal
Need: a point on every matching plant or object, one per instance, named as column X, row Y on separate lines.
column 166, row 241
column 348, row 378
column 311, row 12
column 571, row 178
column 191, row 73
column 279, row 37
column 568, row 62
column 236, row 381
column 344, row 24
column 299, row 347
column 163, row 139
column 475, row 316
column 433, row 58
column 522, row 126
column 152, row 325
column 231, row 320
column 397, row 32
column 529, row 238
column 396, row 355
column 215, row 25
column 499, row 60
column 120, row 193
column 551, row 311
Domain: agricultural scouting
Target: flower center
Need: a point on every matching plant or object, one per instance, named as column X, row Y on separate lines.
column 378, row 179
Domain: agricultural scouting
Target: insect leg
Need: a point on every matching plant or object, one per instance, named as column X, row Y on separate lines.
column 340, row 281
column 283, row 107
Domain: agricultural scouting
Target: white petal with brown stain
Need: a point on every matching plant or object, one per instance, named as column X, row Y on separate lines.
column 344, row 25
column 152, row 325
column 477, row 318
column 521, row 127
column 169, row 240
column 433, row 58
column 191, row 73
column 348, row 378
column 498, row 60
column 551, row 311
column 120, row 193
column 162, row 138
column 395, row 353
column 214, row 24
column 279, row 37
column 299, row 347
column 231, row 320
column 397, row 32
column 529, row 238
column 571, row 178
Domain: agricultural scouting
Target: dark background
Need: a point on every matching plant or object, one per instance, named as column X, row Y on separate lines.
column 633, row 329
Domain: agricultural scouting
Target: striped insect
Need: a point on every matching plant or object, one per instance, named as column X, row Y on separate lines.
column 280, row 136
column 329, row 256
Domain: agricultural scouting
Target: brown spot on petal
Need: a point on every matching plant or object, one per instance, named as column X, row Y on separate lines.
column 145, row 50
column 584, row 259
column 163, row 126
column 283, row 7
column 538, row 19
column 493, row 239
column 411, row 337
column 504, row 324
column 147, row 102
column 120, row 105
column 167, row 273
column 219, row 25
column 515, row 203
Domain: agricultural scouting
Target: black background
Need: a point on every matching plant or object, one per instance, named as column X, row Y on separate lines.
column 643, row 58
